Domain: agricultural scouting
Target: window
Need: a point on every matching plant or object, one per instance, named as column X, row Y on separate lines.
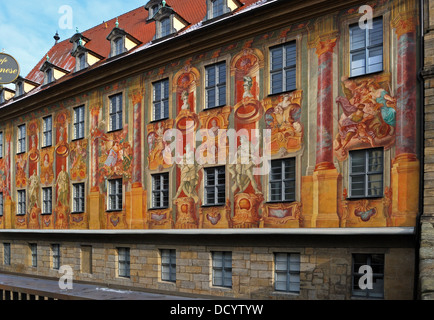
column 20, row 88
column 2, row 97
column 22, row 139
column 116, row 112
column 48, row 132
column 86, row 259
column 283, row 68
column 79, row 123
column 7, row 254
column 217, row 8
column 282, row 180
column 215, row 182
column 215, row 85
column 124, row 262
column 165, row 27
column 366, row 173
column 160, row 191
column 119, row 46
column 115, row 195
column 154, row 10
column 161, row 100
column 78, row 198
column 1, row 205
column 81, row 62
column 47, row 200
column 34, row 254
column 21, row 202
column 287, row 272
column 55, row 251
column 168, row 265
column 374, row 261
column 366, row 48
column 222, row 269
column 49, row 76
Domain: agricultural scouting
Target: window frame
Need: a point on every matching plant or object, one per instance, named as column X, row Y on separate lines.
column 284, row 69
column 220, row 84
column 21, row 202
column 34, row 254
column 168, row 267
column 124, row 262
column 116, row 116
column 1, row 145
column 164, row 99
column 161, row 192
column 283, row 180
column 78, row 201
column 22, row 139
column 7, row 254
column 366, row 49
column 2, row 208
column 78, row 123
column 216, row 187
column 368, row 294
column 289, row 272
column 115, row 197
column 47, row 132
column 366, row 173
column 224, row 269
column 47, row 202
column 55, row 255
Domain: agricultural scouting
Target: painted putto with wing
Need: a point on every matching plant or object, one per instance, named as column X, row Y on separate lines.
column 367, row 116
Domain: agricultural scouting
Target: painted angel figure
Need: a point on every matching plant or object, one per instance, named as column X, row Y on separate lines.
column 189, row 176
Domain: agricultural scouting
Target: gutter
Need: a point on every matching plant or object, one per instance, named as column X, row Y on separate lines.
column 220, row 232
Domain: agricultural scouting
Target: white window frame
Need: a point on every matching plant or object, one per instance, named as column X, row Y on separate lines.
column 22, row 139
column 78, row 198
column 116, row 112
column 124, row 262
column 287, row 272
column 285, row 164
column 159, row 191
column 160, row 86
column 47, row 131
column 79, row 123
column 355, row 276
column 115, row 195
column 168, row 265
column 222, row 269
column 218, row 87
column 47, row 201
column 7, row 254
column 21, row 203
column 287, row 65
column 217, row 189
column 55, row 254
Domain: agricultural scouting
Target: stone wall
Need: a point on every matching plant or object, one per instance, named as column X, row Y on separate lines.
column 426, row 268
column 325, row 273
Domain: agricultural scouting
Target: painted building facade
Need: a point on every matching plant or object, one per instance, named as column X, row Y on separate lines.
column 257, row 156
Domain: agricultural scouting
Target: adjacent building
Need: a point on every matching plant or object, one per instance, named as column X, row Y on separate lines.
column 232, row 148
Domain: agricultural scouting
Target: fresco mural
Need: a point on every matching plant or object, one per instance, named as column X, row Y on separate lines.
column 368, row 116
column 365, row 112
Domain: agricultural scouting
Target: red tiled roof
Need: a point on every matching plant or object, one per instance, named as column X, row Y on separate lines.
column 133, row 22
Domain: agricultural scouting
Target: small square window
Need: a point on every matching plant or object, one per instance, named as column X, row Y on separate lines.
column 168, row 265
column 124, row 262
column 222, row 269
column 370, row 267
column 287, row 272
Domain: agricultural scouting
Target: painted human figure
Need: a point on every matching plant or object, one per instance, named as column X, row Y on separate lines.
column 186, row 104
column 34, row 190
column 248, row 84
column 189, row 176
column 63, row 187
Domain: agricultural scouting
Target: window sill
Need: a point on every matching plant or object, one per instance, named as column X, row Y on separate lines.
column 76, row 212
column 277, row 202
column 77, row 139
column 46, row 214
column 362, row 198
column 281, row 93
column 46, row 147
column 217, row 205
column 216, row 107
column 114, row 211
column 116, row 130
column 156, row 209
column 364, row 75
column 159, row 120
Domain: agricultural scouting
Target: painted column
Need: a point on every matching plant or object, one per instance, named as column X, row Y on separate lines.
column 137, row 141
column 94, row 149
column 405, row 169
column 95, row 198
column 406, row 90
column 136, row 199
column 324, row 150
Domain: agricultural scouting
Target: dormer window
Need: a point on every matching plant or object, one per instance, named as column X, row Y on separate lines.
column 121, row 41
column 167, row 21
column 51, row 71
column 2, row 96
column 165, row 27
column 81, row 63
column 49, row 76
column 19, row 88
column 217, row 8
